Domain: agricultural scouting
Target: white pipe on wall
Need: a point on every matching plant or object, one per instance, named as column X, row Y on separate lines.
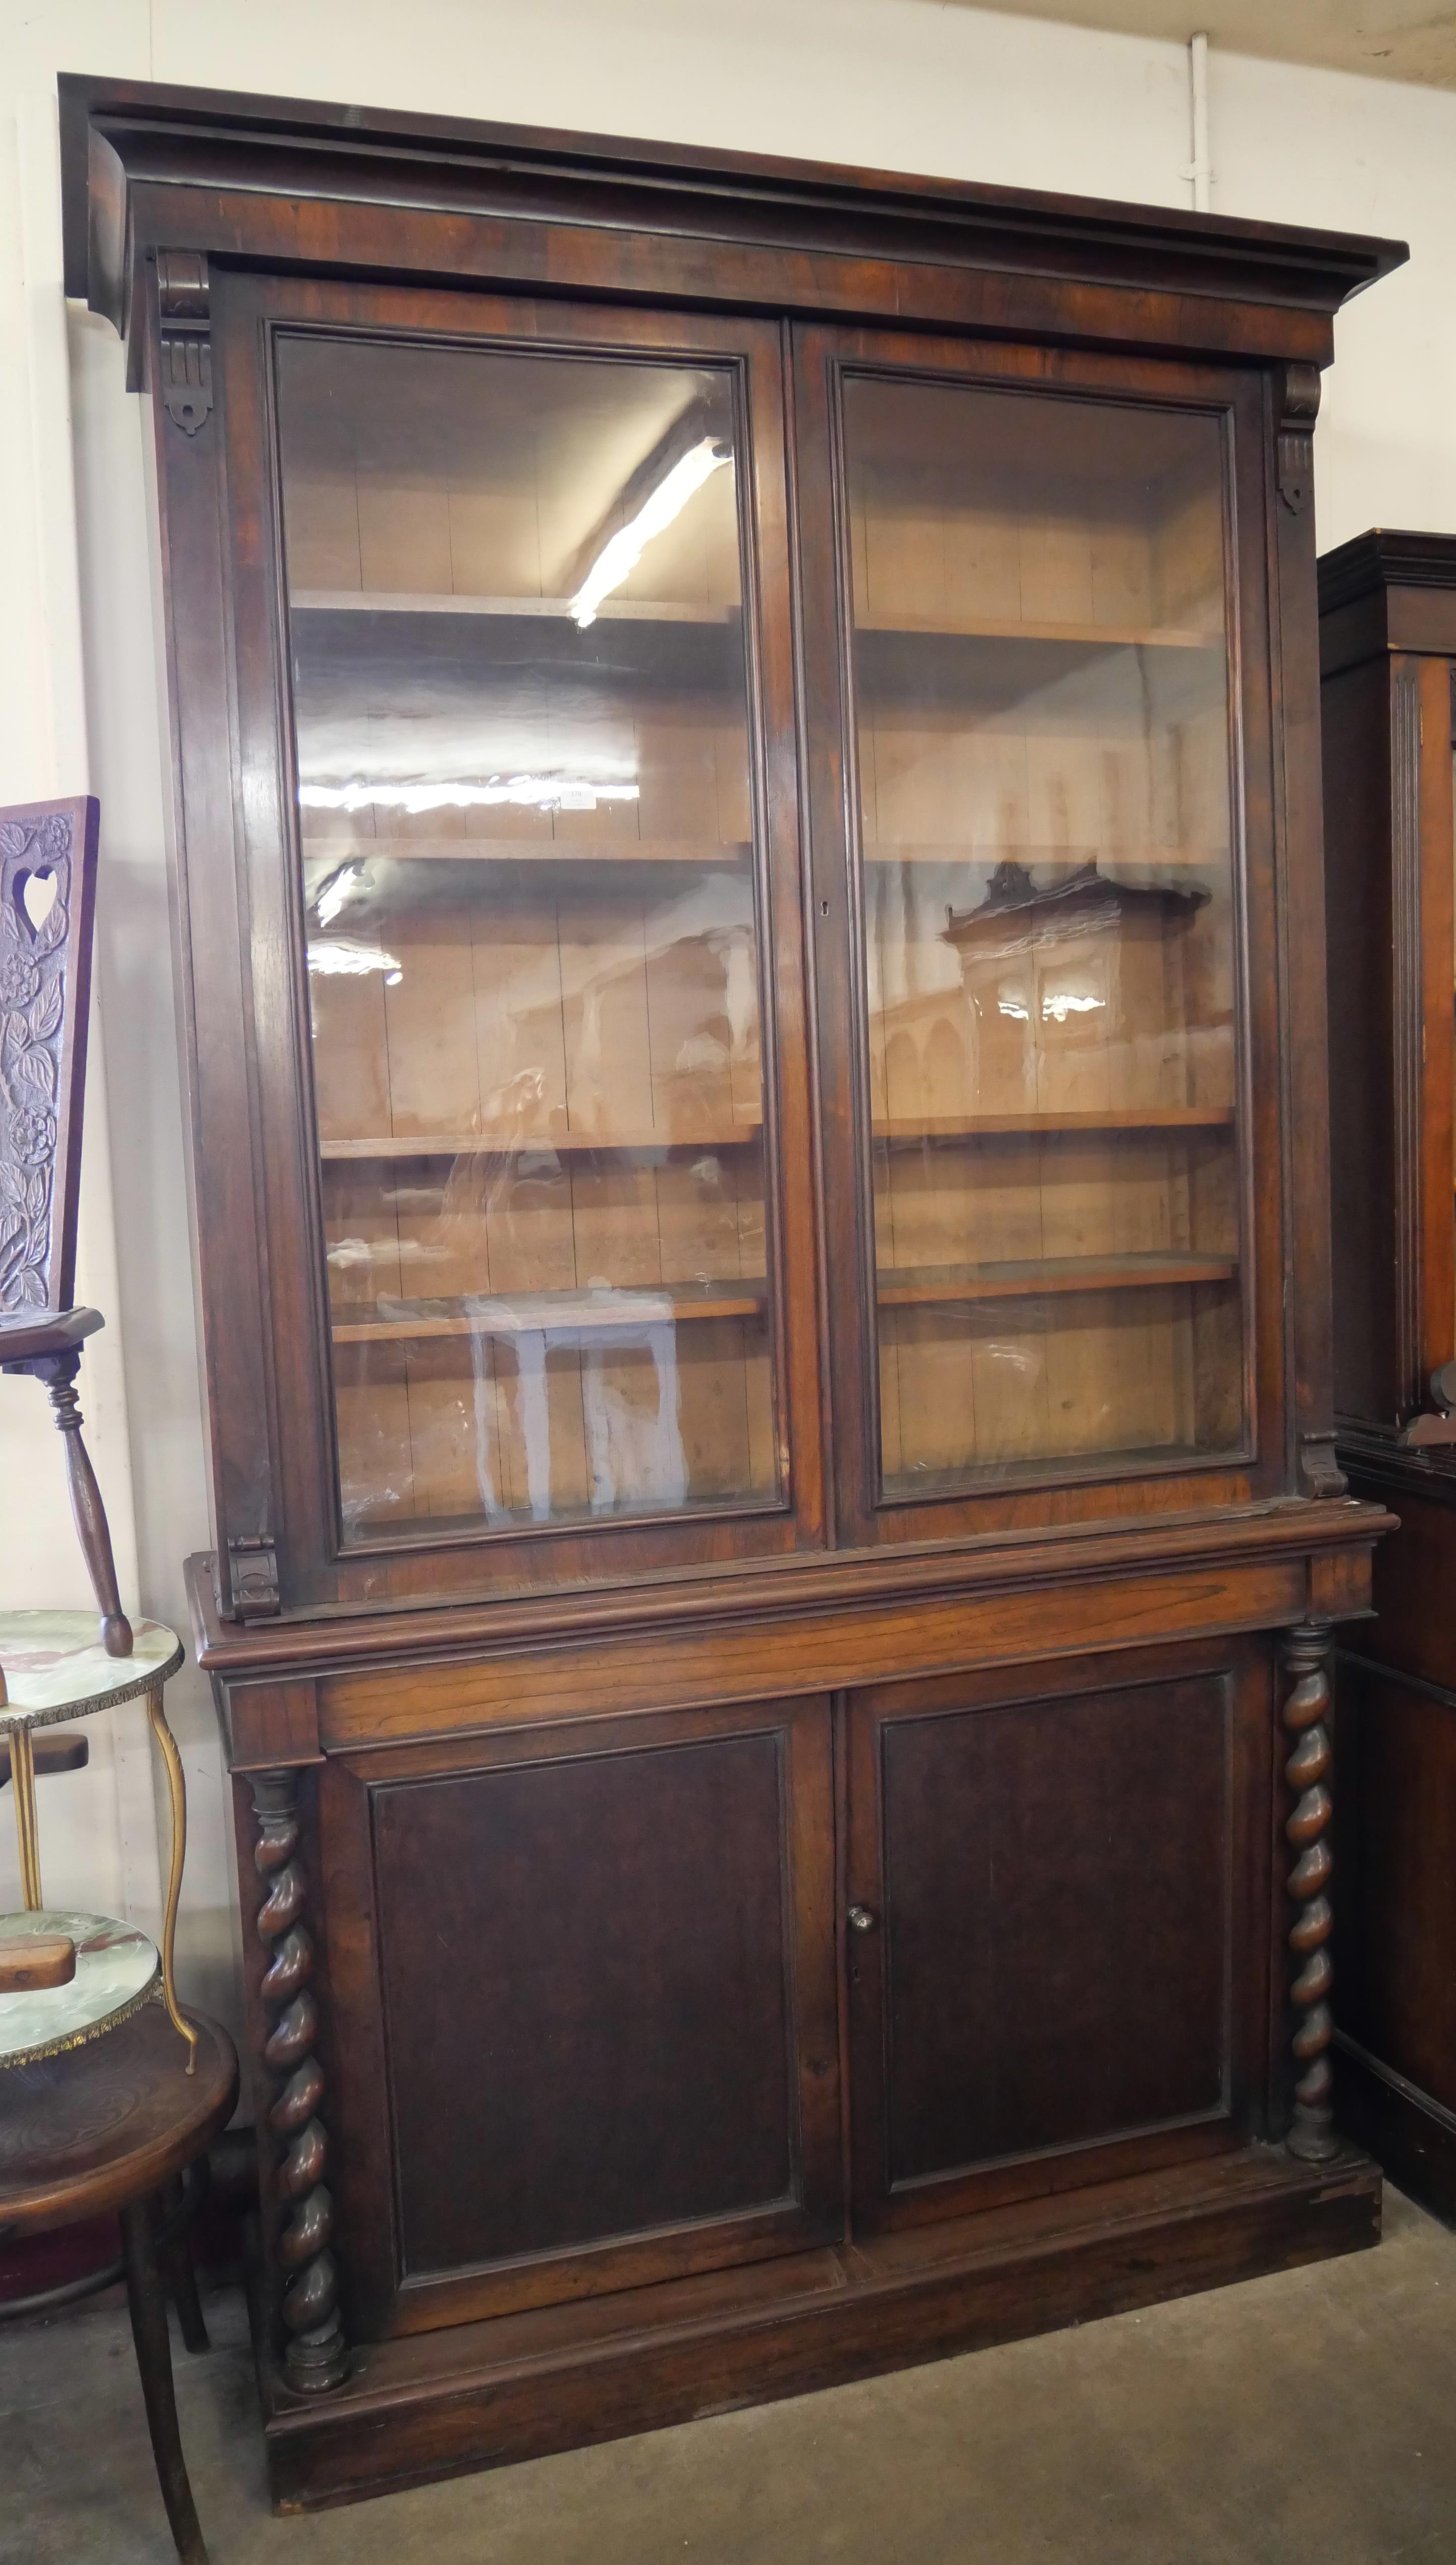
column 1200, row 168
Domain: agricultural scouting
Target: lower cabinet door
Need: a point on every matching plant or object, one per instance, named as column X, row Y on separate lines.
column 1057, row 1926
column 583, row 1983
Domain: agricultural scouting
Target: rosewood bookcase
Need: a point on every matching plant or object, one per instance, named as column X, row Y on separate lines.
column 748, row 806
column 1388, row 638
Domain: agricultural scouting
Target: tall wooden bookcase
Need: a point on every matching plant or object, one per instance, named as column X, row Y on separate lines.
column 1387, row 636
column 747, row 776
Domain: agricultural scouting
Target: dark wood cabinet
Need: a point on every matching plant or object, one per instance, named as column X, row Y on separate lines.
column 1388, row 652
column 746, row 787
column 999, row 2049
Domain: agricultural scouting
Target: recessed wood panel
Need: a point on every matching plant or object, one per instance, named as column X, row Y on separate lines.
column 1049, row 1963
column 1395, row 1910
column 586, row 1966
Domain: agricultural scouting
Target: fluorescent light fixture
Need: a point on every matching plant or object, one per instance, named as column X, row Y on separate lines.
column 530, row 792
column 618, row 558
column 339, row 887
column 342, row 958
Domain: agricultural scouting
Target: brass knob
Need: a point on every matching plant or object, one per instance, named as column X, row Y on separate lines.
column 860, row 1920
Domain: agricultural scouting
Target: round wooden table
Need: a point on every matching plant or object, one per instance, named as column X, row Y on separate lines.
column 108, row 2126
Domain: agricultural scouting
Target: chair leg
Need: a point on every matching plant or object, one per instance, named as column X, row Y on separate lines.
column 175, row 2257
column 148, row 2309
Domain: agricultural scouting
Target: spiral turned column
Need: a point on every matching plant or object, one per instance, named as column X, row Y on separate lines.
column 1304, row 1651
column 316, row 2355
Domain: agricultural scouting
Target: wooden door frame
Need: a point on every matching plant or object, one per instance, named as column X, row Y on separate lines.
column 1279, row 1212
column 256, row 1180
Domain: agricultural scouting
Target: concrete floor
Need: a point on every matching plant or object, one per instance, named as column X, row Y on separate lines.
column 1310, row 2416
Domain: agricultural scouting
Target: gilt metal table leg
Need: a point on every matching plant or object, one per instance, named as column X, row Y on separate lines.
column 148, row 2310
column 23, row 1774
column 177, row 1795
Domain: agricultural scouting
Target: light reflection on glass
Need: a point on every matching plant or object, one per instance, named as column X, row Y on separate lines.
column 531, row 936
column 1041, row 691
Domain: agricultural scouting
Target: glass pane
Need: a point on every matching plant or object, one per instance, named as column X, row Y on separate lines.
column 523, row 771
column 1040, row 681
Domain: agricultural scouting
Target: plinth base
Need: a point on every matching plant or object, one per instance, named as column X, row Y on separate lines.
column 520, row 2386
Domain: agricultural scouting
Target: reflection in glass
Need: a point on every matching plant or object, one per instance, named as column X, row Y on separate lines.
column 1040, row 681
column 523, row 778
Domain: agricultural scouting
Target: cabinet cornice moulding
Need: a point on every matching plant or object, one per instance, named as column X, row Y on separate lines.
column 777, row 1590
column 1385, row 557
column 232, row 174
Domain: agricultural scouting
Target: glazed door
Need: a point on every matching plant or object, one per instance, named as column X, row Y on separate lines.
column 1057, row 1900
column 1041, row 797
column 524, row 938
column 586, row 2006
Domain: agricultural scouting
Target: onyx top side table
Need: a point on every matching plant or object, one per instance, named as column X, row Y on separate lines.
column 54, row 1666
column 109, row 2126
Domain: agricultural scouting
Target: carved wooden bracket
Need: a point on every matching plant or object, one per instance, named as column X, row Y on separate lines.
column 253, row 1562
column 1299, row 406
column 184, row 299
column 1320, row 1471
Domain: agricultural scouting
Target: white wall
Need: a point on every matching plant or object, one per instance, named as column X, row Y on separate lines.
column 895, row 82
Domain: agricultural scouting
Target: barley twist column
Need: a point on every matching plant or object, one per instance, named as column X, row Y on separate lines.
column 1305, row 1652
column 316, row 2355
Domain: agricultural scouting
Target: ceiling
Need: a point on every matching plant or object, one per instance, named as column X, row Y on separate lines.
column 1410, row 40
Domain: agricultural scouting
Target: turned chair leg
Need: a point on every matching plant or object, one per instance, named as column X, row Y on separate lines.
column 147, row 2303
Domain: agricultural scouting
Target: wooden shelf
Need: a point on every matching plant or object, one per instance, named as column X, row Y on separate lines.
column 528, row 1313
column 526, row 850
column 735, row 1135
column 1017, row 1126
column 912, row 1287
column 607, row 851
column 1158, row 675
column 1142, row 858
column 477, row 1144
column 557, row 609
column 1111, row 636
column 908, row 1286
